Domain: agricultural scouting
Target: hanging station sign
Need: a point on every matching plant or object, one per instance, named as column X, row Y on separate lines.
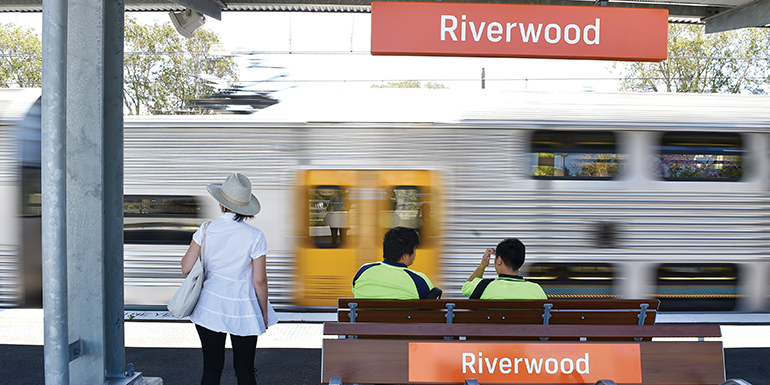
column 528, row 31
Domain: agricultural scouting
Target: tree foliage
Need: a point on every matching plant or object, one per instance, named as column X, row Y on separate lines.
column 410, row 84
column 726, row 62
column 162, row 70
column 577, row 165
column 702, row 166
column 21, row 60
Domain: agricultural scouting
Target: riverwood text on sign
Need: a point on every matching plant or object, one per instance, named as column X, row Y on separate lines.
column 511, row 30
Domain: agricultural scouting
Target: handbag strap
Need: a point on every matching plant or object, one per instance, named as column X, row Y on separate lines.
column 203, row 241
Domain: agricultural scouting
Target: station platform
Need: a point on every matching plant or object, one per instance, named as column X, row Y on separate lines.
column 162, row 347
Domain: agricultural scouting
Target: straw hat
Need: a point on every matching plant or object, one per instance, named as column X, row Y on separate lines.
column 235, row 194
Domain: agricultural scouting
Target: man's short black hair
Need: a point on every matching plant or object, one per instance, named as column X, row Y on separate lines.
column 399, row 241
column 511, row 250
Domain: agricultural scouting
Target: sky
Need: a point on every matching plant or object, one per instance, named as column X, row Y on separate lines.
column 331, row 51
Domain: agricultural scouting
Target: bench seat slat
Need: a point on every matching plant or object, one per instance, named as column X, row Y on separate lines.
column 604, row 317
column 527, row 317
column 481, row 304
column 399, row 316
column 496, row 330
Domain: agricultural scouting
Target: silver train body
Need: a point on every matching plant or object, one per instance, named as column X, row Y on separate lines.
column 697, row 243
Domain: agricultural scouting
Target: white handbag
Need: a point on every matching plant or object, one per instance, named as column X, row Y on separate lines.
column 186, row 297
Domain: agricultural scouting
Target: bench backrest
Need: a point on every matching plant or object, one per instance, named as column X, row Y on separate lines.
column 493, row 332
column 459, row 311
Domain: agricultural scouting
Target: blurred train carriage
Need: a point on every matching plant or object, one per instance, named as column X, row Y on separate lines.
column 615, row 195
column 20, row 277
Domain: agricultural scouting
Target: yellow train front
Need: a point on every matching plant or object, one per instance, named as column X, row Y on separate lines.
column 342, row 217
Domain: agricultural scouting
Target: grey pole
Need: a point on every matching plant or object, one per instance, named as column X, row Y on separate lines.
column 94, row 188
column 56, row 352
column 85, row 203
column 113, row 189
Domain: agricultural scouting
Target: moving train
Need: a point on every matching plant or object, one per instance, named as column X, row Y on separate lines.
column 615, row 195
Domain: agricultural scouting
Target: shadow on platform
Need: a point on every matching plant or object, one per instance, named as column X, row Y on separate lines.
column 23, row 365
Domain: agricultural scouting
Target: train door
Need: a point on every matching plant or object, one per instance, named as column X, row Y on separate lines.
column 410, row 200
column 343, row 216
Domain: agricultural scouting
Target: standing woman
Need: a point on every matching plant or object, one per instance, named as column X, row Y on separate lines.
column 234, row 295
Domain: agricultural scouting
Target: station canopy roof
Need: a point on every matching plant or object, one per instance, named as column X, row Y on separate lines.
column 717, row 15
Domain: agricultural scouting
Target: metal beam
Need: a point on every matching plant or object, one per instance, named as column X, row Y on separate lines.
column 756, row 14
column 677, row 11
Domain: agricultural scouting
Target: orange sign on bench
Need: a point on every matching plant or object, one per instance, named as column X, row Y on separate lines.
column 514, row 30
column 567, row 363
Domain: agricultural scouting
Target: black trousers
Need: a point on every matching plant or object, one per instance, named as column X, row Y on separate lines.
column 213, row 346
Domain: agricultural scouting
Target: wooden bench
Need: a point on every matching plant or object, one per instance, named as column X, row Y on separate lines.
column 386, row 359
column 378, row 338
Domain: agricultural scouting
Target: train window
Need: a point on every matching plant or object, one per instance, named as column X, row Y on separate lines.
column 684, row 156
column 574, row 155
column 160, row 219
column 697, row 286
column 329, row 216
column 143, row 205
column 407, row 208
column 31, row 197
column 561, row 280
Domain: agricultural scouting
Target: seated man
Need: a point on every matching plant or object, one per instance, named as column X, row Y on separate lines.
column 390, row 278
column 509, row 285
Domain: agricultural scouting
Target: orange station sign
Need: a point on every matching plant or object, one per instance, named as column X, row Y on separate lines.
column 510, row 363
column 510, row 30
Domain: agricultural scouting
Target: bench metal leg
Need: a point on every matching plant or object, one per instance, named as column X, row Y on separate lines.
column 471, row 381
column 642, row 315
column 335, row 381
column 546, row 317
column 352, row 314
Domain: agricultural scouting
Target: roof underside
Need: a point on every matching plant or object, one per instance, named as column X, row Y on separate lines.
column 717, row 15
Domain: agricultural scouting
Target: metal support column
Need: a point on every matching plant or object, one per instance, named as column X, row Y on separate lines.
column 113, row 189
column 83, row 191
column 94, row 187
column 53, row 121
column 85, row 187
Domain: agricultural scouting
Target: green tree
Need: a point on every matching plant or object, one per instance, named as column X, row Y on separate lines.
column 162, row 70
column 20, row 57
column 409, row 84
column 434, row 86
column 725, row 62
column 596, row 165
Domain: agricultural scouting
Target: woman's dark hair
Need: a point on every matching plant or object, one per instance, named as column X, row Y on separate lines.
column 241, row 217
column 399, row 241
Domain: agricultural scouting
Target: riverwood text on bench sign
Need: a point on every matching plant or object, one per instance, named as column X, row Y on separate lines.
column 524, row 362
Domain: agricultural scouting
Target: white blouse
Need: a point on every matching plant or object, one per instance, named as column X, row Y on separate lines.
column 228, row 302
